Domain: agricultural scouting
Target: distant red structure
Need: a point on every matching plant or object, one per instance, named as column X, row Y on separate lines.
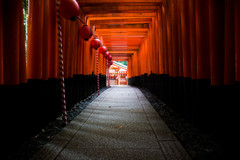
column 118, row 74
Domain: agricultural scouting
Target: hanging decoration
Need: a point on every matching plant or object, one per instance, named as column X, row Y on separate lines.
column 106, row 55
column 69, row 9
column 95, row 43
column 109, row 58
column 102, row 50
column 85, row 32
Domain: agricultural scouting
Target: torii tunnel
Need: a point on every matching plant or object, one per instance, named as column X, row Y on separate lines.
column 185, row 52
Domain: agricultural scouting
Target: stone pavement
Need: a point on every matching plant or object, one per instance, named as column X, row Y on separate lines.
column 119, row 124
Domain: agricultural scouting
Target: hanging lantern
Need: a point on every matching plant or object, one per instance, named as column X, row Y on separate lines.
column 85, row 32
column 111, row 62
column 69, row 9
column 95, row 43
column 106, row 55
column 109, row 57
column 102, row 50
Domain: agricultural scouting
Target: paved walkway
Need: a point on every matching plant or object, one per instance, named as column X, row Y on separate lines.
column 119, row 124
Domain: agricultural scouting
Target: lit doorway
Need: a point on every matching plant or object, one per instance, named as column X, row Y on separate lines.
column 118, row 73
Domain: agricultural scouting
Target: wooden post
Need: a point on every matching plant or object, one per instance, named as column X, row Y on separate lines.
column 217, row 41
column 237, row 40
column 53, row 64
column 202, row 39
column 174, row 38
column 169, row 37
column 35, row 39
column 11, row 42
column 161, row 41
column 185, row 27
column 165, row 41
column 192, row 42
column 1, row 46
column 45, row 67
column 229, row 56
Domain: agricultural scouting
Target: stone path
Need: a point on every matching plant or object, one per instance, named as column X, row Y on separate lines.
column 119, row 124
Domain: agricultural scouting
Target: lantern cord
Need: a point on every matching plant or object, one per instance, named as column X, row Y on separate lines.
column 61, row 66
column 81, row 20
column 98, row 88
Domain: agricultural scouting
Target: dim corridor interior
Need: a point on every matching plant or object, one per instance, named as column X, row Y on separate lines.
column 119, row 124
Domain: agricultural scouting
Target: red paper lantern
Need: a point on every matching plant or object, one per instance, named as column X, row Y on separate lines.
column 85, row 32
column 109, row 57
column 106, row 55
column 111, row 62
column 69, row 9
column 95, row 43
column 102, row 50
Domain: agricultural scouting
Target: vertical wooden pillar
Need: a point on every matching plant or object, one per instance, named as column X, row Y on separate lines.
column 185, row 27
column 148, row 56
column 35, row 39
column 192, row 42
column 71, row 50
column 150, row 46
column 169, row 39
column 229, row 56
column 45, row 40
column 157, row 44
column 161, row 41
column 86, row 57
column 53, row 58
column 1, row 45
column 66, row 45
column 174, row 39
column 216, row 20
column 165, row 41
column 11, row 42
column 129, row 68
column 135, row 64
column 22, row 53
column 81, row 54
column 237, row 40
column 203, row 109
column 75, row 48
column 180, row 59
column 202, row 39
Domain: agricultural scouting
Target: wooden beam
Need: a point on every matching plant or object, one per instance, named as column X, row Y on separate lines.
column 120, row 15
column 123, row 48
column 123, row 30
column 121, row 55
column 122, row 21
column 118, row 1
column 121, row 39
column 126, row 52
column 121, row 58
column 122, row 34
column 121, row 4
column 118, row 26
column 119, row 9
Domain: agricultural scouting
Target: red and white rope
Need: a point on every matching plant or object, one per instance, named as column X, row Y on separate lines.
column 61, row 65
column 97, row 73
column 108, row 73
